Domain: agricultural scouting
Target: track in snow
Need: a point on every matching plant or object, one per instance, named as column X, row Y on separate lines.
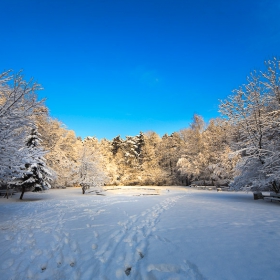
column 79, row 245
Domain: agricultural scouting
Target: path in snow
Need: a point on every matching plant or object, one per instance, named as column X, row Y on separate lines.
column 127, row 246
column 52, row 239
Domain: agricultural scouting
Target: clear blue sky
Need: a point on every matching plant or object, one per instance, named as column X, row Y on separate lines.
column 120, row 67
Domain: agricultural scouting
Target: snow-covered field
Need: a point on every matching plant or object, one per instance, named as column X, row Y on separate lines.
column 176, row 234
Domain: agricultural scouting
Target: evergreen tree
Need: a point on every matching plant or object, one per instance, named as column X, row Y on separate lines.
column 117, row 143
column 36, row 173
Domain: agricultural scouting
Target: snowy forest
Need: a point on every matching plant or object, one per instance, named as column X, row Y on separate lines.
column 240, row 149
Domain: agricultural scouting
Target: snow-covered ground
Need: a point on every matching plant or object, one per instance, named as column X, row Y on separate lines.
column 176, row 234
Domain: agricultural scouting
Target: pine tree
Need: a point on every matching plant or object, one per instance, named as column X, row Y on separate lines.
column 37, row 175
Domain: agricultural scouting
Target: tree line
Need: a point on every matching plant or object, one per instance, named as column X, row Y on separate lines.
column 241, row 148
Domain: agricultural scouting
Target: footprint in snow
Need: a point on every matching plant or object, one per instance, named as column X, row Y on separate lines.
column 141, row 255
column 59, row 260
column 127, row 271
column 71, row 261
column 43, row 267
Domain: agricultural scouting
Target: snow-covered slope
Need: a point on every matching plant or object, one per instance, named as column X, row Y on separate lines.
column 179, row 234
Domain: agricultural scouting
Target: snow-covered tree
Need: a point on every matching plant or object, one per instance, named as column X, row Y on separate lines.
column 193, row 155
column 168, row 152
column 117, row 144
column 205, row 153
column 36, row 173
column 18, row 106
column 91, row 173
column 151, row 172
column 105, row 149
column 254, row 114
column 63, row 149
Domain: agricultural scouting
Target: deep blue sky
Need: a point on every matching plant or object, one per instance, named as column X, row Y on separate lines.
column 118, row 67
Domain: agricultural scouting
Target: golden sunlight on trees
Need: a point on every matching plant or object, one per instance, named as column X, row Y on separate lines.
column 242, row 149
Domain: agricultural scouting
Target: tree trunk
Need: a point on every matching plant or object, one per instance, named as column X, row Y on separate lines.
column 22, row 192
column 275, row 187
column 7, row 194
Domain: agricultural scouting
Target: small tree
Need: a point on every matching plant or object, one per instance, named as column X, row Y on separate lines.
column 91, row 173
column 36, row 174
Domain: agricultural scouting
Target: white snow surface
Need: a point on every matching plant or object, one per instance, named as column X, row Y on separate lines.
column 128, row 233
